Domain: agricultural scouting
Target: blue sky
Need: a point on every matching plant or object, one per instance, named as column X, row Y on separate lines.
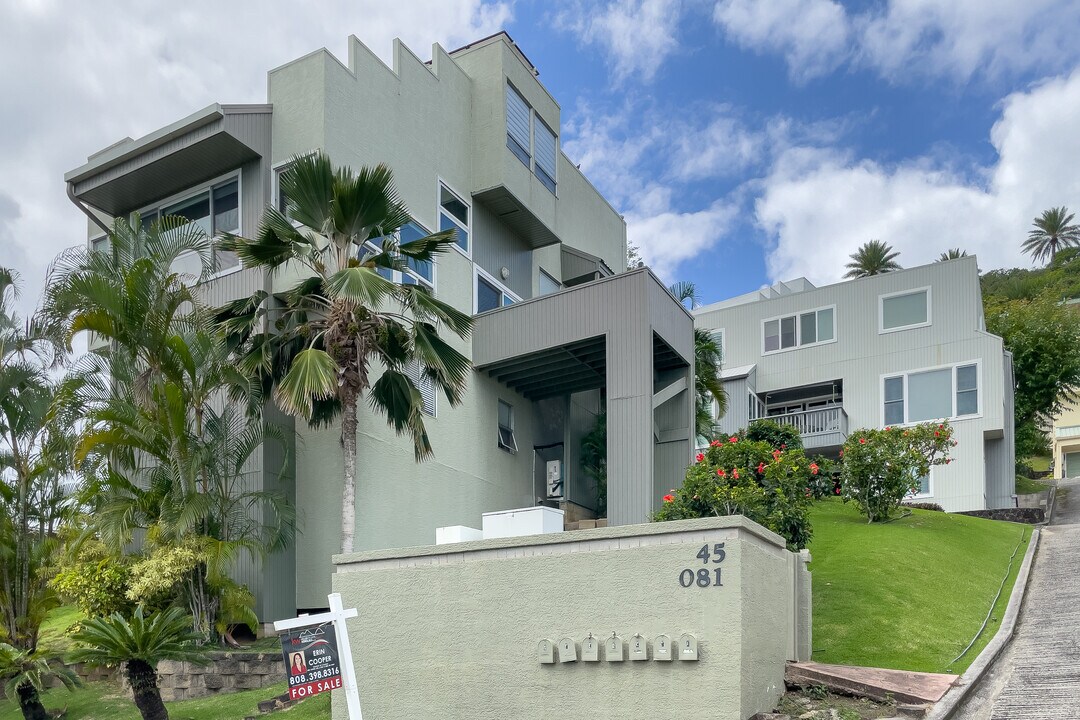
column 745, row 141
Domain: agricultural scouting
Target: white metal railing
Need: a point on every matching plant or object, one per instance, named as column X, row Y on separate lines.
column 816, row 421
column 757, row 408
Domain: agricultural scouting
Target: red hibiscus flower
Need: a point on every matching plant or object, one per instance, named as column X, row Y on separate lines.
column 715, row 443
column 669, row 498
column 837, row 491
column 862, row 441
column 720, row 472
column 813, row 468
column 700, row 457
column 735, row 473
column 733, row 439
column 761, row 467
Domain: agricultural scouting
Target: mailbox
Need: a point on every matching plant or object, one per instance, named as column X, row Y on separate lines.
column 687, row 647
column 545, row 649
column 590, row 649
column 662, row 648
column 639, row 648
column 613, row 649
column 567, row 650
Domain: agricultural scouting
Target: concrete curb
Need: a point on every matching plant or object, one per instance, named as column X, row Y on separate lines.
column 1051, row 499
column 945, row 707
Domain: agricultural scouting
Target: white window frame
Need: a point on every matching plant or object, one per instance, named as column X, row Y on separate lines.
column 979, row 388
column 929, row 488
column 723, row 341
column 439, row 185
column 93, row 239
column 275, row 173
column 479, row 272
column 398, row 275
column 511, row 447
column 910, row 291
column 208, row 187
column 798, row 329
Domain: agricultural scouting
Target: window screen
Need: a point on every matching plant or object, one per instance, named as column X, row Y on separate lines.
column 517, row 125
column 454, row 215
column 930, row 395
column 787, row 332
column 825, row 326
column 507, row 441
column 772, row 335
column 808, row 323
column 894, row 400
column 903, row 310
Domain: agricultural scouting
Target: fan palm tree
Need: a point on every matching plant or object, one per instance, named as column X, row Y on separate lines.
column 346, row 318
column 708, row 359
column 139, row 644
column 872, row 258
column 952, row 254
column 27, row 675
column 1054, row 230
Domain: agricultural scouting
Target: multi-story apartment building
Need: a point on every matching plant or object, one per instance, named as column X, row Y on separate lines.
column 886, row 350
column 562, row 333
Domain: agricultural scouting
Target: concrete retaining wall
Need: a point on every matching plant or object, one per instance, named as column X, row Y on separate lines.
column 228, row 672
column 453, row 631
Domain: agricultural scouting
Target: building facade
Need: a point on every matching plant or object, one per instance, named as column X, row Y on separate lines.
column 562, row 337
column 1065, row 441
column 887, row 350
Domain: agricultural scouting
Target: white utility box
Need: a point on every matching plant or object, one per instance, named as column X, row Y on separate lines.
column 523, row 521
column 456, row 534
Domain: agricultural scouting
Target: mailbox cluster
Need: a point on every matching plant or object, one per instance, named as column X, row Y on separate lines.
column 615, row 649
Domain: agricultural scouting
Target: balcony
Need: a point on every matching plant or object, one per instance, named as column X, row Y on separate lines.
column 820, row 428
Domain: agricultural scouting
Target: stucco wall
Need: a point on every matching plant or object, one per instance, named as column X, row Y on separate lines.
column 452, row 631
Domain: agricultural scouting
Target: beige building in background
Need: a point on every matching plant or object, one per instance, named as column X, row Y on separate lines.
column 1065, row 439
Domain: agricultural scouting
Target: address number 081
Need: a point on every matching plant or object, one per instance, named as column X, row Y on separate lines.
column 707, row 576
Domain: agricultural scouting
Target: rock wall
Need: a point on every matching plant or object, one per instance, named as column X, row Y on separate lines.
column 227, row 672
column 1030, row 515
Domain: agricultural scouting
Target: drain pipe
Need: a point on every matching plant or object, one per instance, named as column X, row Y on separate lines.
column 79, row 204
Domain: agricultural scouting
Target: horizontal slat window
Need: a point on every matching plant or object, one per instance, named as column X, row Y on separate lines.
column 424, row 384
column 517, row 124
column 545, row 155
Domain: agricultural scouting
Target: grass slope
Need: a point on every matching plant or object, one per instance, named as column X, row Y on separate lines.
column 104, row 701
column 909, row 594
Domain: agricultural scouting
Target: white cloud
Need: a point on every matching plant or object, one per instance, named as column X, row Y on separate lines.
column 638, row 35
column 725, row 146
column 80, row 76
column 957, row 39
column 668, row 237
column 812, row 35
column 819, row 205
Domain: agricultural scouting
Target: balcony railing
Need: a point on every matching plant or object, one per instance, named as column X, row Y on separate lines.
column 819, row 421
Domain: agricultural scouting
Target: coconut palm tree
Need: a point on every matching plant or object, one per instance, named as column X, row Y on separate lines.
column 139, row 644
column 708, row 359
column 27, row 675
column 320, row 348
column 952, row 254
column 1053, row 231
column 872, row 258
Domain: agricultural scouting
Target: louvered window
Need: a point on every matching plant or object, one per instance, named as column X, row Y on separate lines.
column 545, row 155
column 518, row 118
column 424, row 384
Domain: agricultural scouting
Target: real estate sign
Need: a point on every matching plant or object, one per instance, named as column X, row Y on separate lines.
column 311, row 660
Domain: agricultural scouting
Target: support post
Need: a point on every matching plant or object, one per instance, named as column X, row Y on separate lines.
column 352, row 694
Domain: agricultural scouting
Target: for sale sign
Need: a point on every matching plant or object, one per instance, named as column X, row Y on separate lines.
column 311, row 660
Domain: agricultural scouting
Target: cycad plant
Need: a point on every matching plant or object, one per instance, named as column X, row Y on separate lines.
column 347, row 332
column 1054, row 230
column 27, row 675
column 138, row 645
column 872, row 258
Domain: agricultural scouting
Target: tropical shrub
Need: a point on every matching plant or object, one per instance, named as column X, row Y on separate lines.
column 778, row 435
column 139, row 644
column 26, row 675
column 749, row 478
column 94, row 580
column 882, row 467
column 826, row 483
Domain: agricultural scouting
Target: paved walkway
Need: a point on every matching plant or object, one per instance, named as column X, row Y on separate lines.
column 1038, row 674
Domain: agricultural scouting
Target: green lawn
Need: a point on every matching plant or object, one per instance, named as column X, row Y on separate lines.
column 1025, row 485
column 53, row 634
column 909, row 594
column 1039, row 462
column 104, row 701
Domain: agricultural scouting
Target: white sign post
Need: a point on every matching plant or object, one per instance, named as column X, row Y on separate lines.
column 337, row 615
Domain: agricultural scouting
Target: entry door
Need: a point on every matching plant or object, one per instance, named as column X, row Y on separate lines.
column 1072, row 464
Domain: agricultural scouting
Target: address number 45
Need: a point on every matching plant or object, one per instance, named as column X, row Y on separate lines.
column 706, row 576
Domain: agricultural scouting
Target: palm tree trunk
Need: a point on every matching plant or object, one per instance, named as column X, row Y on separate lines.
column 144, row 688
column 348, row 486
column 30, row 703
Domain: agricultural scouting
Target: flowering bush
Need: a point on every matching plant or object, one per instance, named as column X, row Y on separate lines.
column 734, row 476
column 825, row 482
column 780, row 437
column 882, row 467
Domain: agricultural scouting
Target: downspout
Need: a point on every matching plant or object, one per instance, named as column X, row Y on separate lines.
column 82, row 206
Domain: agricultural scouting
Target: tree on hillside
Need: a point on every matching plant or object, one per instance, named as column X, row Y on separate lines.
column 1054, row 230
column 872, row 258
column 634, row 261
column 321, row 349
column 952, row 254
column 1044, row 338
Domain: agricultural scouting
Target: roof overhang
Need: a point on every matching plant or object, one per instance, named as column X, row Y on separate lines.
column 202, row 146
column 508, row 208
